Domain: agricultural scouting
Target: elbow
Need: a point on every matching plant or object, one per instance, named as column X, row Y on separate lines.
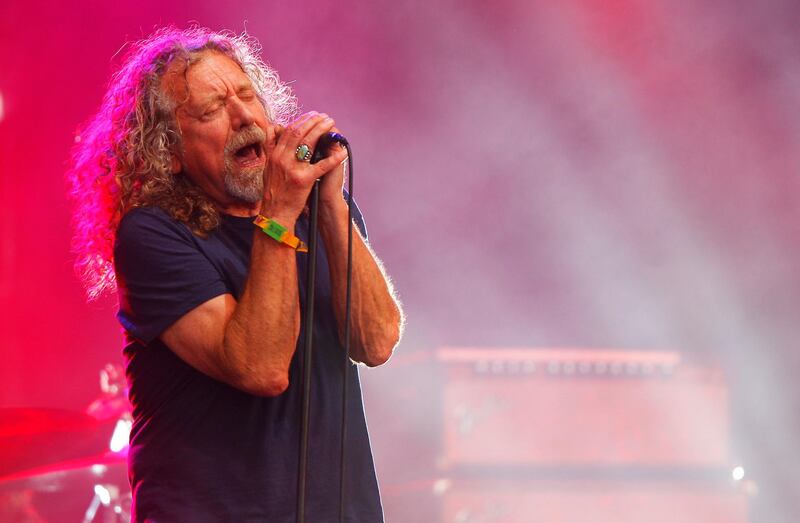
column 374, row 359
column 380, row 337
column 267, row 385
column 255, row 374
column 382, row 350
column 275, row 386
column 265, row 382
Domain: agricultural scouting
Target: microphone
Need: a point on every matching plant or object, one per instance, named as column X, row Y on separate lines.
column 324, row 145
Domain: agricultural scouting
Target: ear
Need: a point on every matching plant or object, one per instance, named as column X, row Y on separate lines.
column 175, row 164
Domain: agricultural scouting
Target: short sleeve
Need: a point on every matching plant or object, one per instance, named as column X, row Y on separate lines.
column 161, row 273
column 358, row 218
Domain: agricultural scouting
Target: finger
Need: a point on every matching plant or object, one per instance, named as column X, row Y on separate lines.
column 291, row 135
column 273, row 133
column 294, row 127
column 336, row 157
column 338, row 131
column 314, row 128
column 297, row 122
column 300, row 127
column 296, row 133
column 322, row 127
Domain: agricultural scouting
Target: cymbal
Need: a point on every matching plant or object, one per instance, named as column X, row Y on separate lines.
column 108, row 468
column 32, row 437
column 23, row 421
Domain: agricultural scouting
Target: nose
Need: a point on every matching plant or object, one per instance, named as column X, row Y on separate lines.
column 241, row 115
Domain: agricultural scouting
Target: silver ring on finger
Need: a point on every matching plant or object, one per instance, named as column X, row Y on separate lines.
column 303, row 153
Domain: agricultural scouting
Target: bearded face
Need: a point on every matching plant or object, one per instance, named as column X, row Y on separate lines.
column 223, row 128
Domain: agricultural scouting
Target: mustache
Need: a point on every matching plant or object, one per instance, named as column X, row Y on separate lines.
column 247, row 136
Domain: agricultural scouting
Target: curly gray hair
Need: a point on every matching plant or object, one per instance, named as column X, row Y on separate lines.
column 122, row 156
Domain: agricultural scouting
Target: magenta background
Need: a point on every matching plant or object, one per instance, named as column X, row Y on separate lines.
column 533, row 173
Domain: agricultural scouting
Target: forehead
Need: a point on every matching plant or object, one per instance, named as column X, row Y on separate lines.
column 208, row 75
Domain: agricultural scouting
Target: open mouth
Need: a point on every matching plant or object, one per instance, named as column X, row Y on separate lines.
column 249, row 154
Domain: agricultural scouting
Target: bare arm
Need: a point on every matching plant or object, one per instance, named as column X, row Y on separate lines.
column 376, row 317
column 249, row 344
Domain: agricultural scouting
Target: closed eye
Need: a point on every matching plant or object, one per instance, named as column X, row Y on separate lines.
column 246, row 94
column 212, row 111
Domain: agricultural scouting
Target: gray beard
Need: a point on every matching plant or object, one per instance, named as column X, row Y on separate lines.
column 247, row 186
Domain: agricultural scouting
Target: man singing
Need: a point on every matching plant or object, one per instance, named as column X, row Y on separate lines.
column 190, row 186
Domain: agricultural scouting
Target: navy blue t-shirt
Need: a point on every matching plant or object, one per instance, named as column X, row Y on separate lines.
column 201, row 450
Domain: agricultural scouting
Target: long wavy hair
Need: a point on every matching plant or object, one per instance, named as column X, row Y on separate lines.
column 122, row 156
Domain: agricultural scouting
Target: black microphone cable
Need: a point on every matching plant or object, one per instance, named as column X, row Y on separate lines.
column 346, row 361
column 321, row 151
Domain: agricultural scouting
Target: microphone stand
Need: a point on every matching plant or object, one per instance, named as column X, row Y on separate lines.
column 309, row 334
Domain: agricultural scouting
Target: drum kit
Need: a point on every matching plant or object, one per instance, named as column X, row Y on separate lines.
column 61, row 466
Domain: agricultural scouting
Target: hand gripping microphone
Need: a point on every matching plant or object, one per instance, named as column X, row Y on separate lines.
column 324, row 145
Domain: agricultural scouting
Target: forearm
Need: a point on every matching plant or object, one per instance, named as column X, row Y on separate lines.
column 261, row 336
column 376, row 317
column 249, row 342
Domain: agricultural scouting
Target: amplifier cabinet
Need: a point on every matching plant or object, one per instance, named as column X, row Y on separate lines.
column 565, row 407
column 576, row 501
